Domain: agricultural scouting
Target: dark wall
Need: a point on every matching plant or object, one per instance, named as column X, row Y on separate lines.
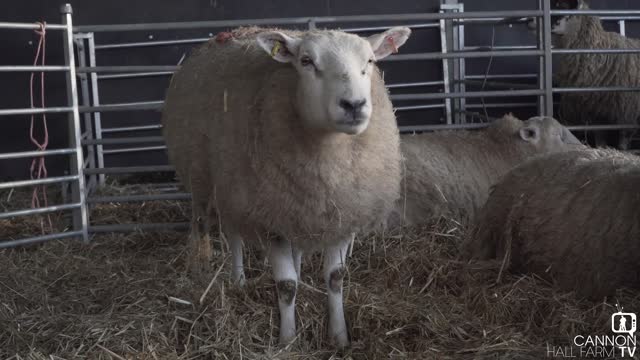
column 18, row 48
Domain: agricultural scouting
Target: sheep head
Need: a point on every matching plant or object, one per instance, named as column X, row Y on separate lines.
column 334, row 73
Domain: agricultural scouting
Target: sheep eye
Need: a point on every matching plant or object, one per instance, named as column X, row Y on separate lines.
column 370, row 61
column 306, row 61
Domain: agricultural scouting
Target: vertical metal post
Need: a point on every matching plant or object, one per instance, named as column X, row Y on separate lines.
column 445, row 69
column 623, row 27
column 540, row 45
column 454, row 36
column 86, row 100
column 80, row 218
column 462, row 69
column 312, row 24
column 96, row 102
column 548, row 58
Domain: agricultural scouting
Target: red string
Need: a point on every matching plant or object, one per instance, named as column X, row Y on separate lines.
column 38, row 168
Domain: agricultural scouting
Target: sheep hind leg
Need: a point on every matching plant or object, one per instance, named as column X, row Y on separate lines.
column 284, row 274
column 334, row 271
column 200, row 250
column 237, row 265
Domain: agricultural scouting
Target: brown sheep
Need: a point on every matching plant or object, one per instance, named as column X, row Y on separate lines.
column 287, row 133
column 574, row 216
column 449, row 173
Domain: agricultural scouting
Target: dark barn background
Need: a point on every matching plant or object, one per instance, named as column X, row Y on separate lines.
column 18, row 46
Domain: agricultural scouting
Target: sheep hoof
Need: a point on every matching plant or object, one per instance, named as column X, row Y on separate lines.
column 341, row 340
column 239, row 280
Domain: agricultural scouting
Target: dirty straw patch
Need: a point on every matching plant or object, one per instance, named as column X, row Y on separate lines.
column 407, row 296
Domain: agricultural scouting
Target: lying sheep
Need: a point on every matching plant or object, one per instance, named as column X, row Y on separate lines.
column 595, row 70
column 449, row 173
column 574, row 216
column 287, row 133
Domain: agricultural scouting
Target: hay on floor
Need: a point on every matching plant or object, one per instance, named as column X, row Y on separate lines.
column 128, row 296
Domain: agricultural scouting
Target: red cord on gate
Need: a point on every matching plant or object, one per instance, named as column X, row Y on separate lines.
column 38, row 168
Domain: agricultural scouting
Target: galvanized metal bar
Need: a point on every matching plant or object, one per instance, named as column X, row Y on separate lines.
column 38, row 211
column 45, row 181
column 462, row 67
column 505, row 76
column 596, row 89
column 30, row 154
column 134, row 75
column 35, row 111
column 415, row 84
column 541, row 61
column 415, row 128
column 141, row 105
column 501, row 105
column 596, row 51
column 29, row 26
column 446, row 72
column 500, row 85
column 90, row 160
column 139, row 198
column 95, row 97
column 151, row 43
column 622, row 27
column 78, row 192
column 127, row 68
column 132, row 128
column 122, row 228
column 470, row 94
column 305, row 20
column 547, row 59
column 32, row 68
column 462, row 54
column 383, row 28
column 131, row 169
column 596, row 12
column 136, row 149
column 611, row 127
column 120, row 141
column 419, row 107
column 39, row 239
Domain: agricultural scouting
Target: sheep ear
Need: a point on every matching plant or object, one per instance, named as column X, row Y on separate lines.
column 280, row 47
column 530, row 134
column 388, row 42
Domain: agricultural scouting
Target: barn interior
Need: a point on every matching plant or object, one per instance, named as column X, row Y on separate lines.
column 94, row 222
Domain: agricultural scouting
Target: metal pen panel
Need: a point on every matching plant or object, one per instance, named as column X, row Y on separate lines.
column 80, row 216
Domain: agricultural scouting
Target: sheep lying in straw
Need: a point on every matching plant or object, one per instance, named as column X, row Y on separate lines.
column 575, row 216
column 287, row 133
column 449, row 173
column 595, row 70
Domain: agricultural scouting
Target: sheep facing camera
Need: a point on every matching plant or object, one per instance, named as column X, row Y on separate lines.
column 623, row 323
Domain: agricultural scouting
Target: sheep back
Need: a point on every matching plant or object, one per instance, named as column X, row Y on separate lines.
column 572, row 216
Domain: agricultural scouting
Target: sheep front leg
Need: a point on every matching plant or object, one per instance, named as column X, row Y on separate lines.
column 286, row 278
column 297, row 260
column 237, row 265
column 334, row 271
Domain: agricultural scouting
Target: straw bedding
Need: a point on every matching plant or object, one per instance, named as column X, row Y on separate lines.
column 128, row 296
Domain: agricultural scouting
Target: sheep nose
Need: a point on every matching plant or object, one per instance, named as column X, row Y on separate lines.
column 353, row 106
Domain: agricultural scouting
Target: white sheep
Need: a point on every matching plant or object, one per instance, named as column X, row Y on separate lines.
column 449, row 173
column 595, row 70
column 289, row 134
